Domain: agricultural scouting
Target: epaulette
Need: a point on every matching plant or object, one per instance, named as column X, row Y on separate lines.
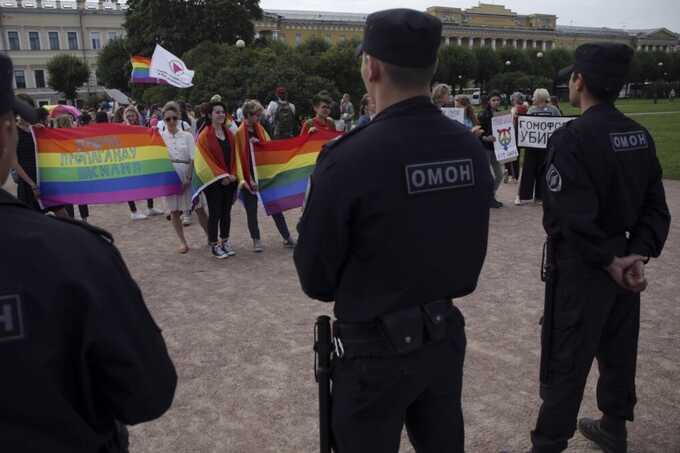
column 108, row 237
column 340, row 139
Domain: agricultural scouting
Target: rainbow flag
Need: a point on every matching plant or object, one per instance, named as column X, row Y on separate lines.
column 140, row 72
column 283, row 168
column 103, row 163
column 206, row 169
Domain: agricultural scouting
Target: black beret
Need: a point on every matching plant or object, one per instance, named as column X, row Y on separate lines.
column 402, row 37
column 608, row 63
column 8, row 102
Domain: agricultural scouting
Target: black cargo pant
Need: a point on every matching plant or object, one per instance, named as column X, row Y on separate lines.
column 373, row 398
column 250, row 202
column 592, row 318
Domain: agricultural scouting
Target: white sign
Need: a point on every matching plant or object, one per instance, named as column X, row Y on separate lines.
column 168, row 67
column 535, row 131
column 504, row 132
column 455, row 113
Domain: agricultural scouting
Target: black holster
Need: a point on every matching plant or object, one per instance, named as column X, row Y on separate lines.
column 322, row 373
column 549, row 276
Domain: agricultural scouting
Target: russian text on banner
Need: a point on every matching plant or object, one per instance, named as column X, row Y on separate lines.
column 535, row 131
column 504, row 132
column 168, row 67
column 103, row 163
column 140, row 72
column 283, row 168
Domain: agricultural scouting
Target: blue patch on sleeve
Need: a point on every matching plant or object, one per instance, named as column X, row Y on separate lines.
column 431, row 176
column 628, row 141
column 11, row 318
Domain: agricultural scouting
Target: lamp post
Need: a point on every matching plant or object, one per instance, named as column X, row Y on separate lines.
column 657, row 88
column 460, row 83
column 240, row 45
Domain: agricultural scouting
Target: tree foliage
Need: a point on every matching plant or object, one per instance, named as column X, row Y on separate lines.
column 457, row 65
column 180, row 25
column 67, row 73
column 488, row 65
column 113, row 65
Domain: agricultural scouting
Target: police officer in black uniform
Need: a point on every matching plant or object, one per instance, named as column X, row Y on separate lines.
column 605, row 215
column 79, row 350
column 395, row 226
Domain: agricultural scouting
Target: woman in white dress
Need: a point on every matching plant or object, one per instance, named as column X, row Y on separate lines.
column 181, row 148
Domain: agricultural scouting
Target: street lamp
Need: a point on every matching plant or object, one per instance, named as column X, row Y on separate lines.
column 240, row 43
column 508, row 62
column 539, row 55
column 460, row 83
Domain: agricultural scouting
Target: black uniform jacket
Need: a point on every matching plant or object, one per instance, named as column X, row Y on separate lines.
column 397, row 214
column 78, row 347
column 604, row 183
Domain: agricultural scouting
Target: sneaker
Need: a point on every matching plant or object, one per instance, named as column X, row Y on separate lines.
column 289, row 243
column 495, row 204
column 519, row 202
column 154, row 212
column 218, row 252
column 186, row 220
column 608, row 442
column 228, row 249
column 137, row 216
column 257, row 246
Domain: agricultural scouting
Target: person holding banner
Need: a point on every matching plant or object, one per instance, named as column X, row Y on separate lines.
column 322, row 107
column 181, row 149
column 529, row 185
column 469, row 118
column 487, row 139
column 65, row 122
column 249, row 133
column 518, row 108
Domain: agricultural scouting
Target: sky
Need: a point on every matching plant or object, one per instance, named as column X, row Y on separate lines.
column 629, row 14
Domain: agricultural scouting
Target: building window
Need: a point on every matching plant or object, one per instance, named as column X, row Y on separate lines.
column 328, row 39
column 34, row 40
column 54, row 40
column 20, row 78
column 113, row 35
column 298, row 39
column 72, row 40
column 13, row 37
column 39, row 78
column 96, row 40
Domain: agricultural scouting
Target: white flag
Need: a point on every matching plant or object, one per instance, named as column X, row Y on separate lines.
column 168, row 67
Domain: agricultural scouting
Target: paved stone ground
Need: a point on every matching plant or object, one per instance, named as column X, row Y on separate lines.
column 240, row 334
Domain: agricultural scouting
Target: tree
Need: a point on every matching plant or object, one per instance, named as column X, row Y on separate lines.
column 113, row 65
column 456, row 66
column 558, row 59
column 180, row 25
column 66, row 74
column 519, row 60
column 509, row 82
column 487, row 65
column 340, row 64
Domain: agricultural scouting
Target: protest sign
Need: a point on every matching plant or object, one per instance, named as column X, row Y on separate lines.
column 535, row 131
column 504, row 132
column 455, row 113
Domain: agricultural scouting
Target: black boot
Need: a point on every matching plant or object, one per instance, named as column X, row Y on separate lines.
column 608, row 441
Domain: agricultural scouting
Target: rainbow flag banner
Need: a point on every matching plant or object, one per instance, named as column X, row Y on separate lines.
column 140, row 72
column 103, row 163
column 283, row 168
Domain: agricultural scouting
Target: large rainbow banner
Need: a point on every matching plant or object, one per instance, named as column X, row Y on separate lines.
column 103, row 163
column 140, row 71
column 283, row 168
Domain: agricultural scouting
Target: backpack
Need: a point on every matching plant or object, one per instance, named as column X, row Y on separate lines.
column 284, row 121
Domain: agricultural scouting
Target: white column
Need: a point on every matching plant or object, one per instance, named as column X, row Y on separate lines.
column 493, row 43
column 460, row 41
column 545, row 45
column 448, row 40
column 514, row 43
column 471, row 42
column 535, row 44
column 525, row 44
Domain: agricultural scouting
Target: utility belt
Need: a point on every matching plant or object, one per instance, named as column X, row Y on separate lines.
column 397, row 333
column 558, row 249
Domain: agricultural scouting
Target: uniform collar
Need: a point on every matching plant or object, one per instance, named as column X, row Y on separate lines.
column 402, row 107
column 8, row 199
column 599, row 108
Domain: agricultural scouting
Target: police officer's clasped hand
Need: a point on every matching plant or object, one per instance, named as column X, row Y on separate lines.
column 628, row 272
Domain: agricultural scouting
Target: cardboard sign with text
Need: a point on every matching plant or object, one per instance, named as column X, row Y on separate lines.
column 504, row 132
column 535, row 131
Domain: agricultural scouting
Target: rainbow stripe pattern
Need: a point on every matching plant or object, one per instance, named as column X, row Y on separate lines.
column 140, row 72
column 206, row 170
column 103, row 163
column 283, row 168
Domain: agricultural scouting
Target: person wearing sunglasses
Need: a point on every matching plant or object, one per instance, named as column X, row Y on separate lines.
column 322, row 121
column 181, row 149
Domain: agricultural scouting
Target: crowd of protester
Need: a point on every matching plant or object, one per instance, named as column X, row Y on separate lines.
column 212, row 124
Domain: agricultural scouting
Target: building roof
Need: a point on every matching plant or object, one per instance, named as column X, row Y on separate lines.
column 591, row 31
column 322, row 16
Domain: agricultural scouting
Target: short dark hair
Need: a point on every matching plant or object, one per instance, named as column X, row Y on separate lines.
column 494, row 94
column 321, row 97
column 410, row 77
column 216, row 104
column 42, row 114
column 597, row 87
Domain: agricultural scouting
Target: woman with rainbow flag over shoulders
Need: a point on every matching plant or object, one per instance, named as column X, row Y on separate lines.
column 251, row 131
column 215, row 175
column 322, row 107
